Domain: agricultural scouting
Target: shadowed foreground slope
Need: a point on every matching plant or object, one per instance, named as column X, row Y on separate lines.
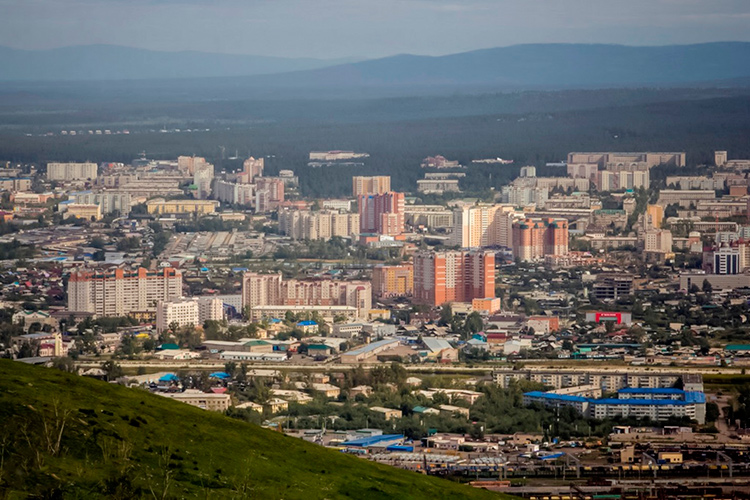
column 66, row 436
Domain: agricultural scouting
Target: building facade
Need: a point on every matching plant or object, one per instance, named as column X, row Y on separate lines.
column 181, row 312
column 362, row 186
column 453, row 276
column 393, row 281
column 260, row 290
column 382, row 213
column 120, row 292
column 71, row 171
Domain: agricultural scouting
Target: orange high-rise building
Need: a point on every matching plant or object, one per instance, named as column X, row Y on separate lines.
column 453, row 276
column 535, row 238
column 382, row 213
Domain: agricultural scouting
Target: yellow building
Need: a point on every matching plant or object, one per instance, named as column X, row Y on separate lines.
column 489, row 305
column 655, row 216
column 393, row 281
column 202, row 207
column 84, row 211
column 670, row 457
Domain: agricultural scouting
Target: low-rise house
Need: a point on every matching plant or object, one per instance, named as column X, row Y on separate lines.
column 291, row 395
column 364, row 390
column 423, row 410
column 308, row 327
column 28, row 318
column 277, row 404
column 328, row 390
column 454, row 410
column 388, row 413
column 206, row 400
column 176, row 354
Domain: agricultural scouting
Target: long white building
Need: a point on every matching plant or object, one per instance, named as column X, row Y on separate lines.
column 71, row 171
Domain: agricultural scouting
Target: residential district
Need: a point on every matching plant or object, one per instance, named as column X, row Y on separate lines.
column 590, row 327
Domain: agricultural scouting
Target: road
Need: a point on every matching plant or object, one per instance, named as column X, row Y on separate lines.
column 422, row 368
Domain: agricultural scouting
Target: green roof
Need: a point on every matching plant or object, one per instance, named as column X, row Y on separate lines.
column 737, row 347
column 255, row 342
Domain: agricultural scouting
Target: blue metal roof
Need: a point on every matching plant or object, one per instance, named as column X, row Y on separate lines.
column 371, row 440
column 695, row 397
column 552, row 457
column 307, row 323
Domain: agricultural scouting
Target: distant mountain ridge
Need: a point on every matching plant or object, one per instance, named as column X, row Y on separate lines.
column 513, row 67
column 113, row 62
column 540, row 65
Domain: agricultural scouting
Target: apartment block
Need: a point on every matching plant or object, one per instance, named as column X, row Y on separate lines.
column 234, row 193
column 533, row 239
column 649, row 159
column 191, row 164
column 15, row 183
column 453, row 276
column 438, row 186
column 182, row 312
column 362, row 186
column 482, row 225
column 260, row 290
column 382, row 213
column 392, row 281
column 167, row 207
column 269, row 194
column 684, row 198
column 430, row 216
column 251, row 168
column 71, row 171
column 658, row 240
column 108, row 201
column 307, row 225
column 121, row 292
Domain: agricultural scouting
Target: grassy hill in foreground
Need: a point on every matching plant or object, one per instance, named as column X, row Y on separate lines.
column 66, row 436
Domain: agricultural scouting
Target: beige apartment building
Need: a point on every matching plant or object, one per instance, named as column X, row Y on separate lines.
column 120, row 292
column 271, row 290
column 483, row 225
column 201, row 207
column 684, row 198
column 649, row 159
column 306, row 225
column 84, row 211
column 378, row 184
column 71, row 171
column 607, row 381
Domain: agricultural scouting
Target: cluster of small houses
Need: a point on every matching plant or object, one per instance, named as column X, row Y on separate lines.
column 217, row 397
column 506, row 337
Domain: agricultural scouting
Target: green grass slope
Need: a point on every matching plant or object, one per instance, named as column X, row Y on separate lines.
column 65, row 436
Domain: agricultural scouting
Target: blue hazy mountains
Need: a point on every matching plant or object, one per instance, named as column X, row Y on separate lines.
column 543, row 65
column 112, row 62
column 535, row 65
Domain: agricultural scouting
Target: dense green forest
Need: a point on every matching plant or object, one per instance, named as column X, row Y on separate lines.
column 697, row 126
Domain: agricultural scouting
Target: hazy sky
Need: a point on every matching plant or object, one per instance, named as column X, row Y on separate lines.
column 369, row 28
